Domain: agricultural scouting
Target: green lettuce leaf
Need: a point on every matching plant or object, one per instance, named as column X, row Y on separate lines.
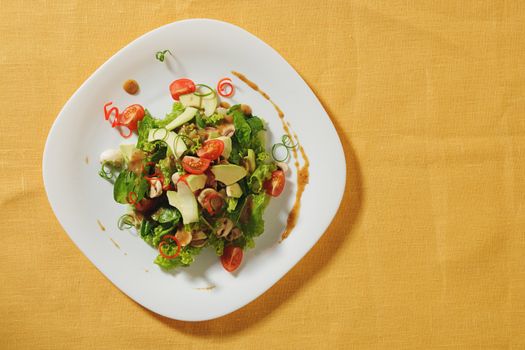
column 176, row 110
column 186, row 257
column 255, row 223
column 144, row 126
column 242, row 128
column 127, row 182
column 262, row 173
column 166, row 215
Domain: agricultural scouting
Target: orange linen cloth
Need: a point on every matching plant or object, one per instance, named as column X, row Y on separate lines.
column 428, row 248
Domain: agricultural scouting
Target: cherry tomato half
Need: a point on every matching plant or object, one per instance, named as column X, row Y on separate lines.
column 275, row 185
column 231, row 258
column 194, row 165
column 181, row 87
column 213, row 203
column 211, row 149
column 131, row 116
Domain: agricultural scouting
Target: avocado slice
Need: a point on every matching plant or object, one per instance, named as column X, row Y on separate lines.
column 209, row 103
column 250, row 159
column 227, row 146
column 175, row 144
column 190, row 100
column 196, row 182
column 184, row 200
column 234, row 190
column 228, row 174
column 127, row 151
column 185, row 117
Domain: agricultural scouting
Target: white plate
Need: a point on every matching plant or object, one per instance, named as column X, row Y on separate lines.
column 205, row 50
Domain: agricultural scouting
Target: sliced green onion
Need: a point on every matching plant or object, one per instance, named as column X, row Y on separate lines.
column 125, row 222
column 275, row 155
column 288, row 142
column 160, row 55
column 204, row 94
column 208, row 224
column 105, row 171
column 166, row 133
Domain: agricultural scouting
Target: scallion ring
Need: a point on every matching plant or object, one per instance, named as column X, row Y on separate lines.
column 204, row 94
column 276, row 157
column 125, row 222
column 165, row 135
column 105, row 171
column 160, row 55
column 288, row 142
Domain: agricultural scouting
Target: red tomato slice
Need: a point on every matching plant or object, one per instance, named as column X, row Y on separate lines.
column 131, row 116
column 213, row 203
column 275, row 185
column 231, row 258
column 184, row 178
column 181, row 87
column 211, row 149
column 194, row 165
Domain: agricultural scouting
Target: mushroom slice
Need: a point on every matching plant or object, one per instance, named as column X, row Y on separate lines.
column 155, row 188
column 199, row 239
column 225, row 227
column 227, row 130
column 234, row 234
column 184, row 237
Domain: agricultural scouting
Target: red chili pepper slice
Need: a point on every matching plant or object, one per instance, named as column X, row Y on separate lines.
column 132, row 198
column 165, row 242
column 223, row 85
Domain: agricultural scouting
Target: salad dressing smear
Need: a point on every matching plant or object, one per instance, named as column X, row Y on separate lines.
column 303, row 174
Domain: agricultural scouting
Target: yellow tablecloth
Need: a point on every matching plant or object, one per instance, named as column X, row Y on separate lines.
column 428, row 248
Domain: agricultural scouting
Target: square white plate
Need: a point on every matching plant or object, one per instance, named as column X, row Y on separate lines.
column 205, row 51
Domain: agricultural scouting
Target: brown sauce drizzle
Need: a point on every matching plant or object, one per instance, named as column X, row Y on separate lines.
column 102, row 228
column 206, row 288
column 303, row 175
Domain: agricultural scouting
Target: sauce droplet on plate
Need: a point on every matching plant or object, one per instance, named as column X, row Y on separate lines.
column 131, row 86
column 102, row 228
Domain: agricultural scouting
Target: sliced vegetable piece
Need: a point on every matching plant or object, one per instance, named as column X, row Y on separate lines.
column 181, row 87
column 250, row 160
column 231, row 258
column 209, row 103
column 194, row 165
column 228, row 173
column 211, row 149
column 234, row 190
column 275, row 185
column 227, row 146
column 185, row 117
column 131, row 116
column 184, row 200
column 190, row 100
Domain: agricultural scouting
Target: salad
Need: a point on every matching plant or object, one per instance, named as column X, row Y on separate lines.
column 200, row 177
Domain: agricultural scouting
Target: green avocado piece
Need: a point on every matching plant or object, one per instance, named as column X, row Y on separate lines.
column 185, row 117
column 127, row 151
column 250, row 159
column 227, row 146
column 228, row 174
column 184, row 200
column 196, row 182
column 234, row 190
